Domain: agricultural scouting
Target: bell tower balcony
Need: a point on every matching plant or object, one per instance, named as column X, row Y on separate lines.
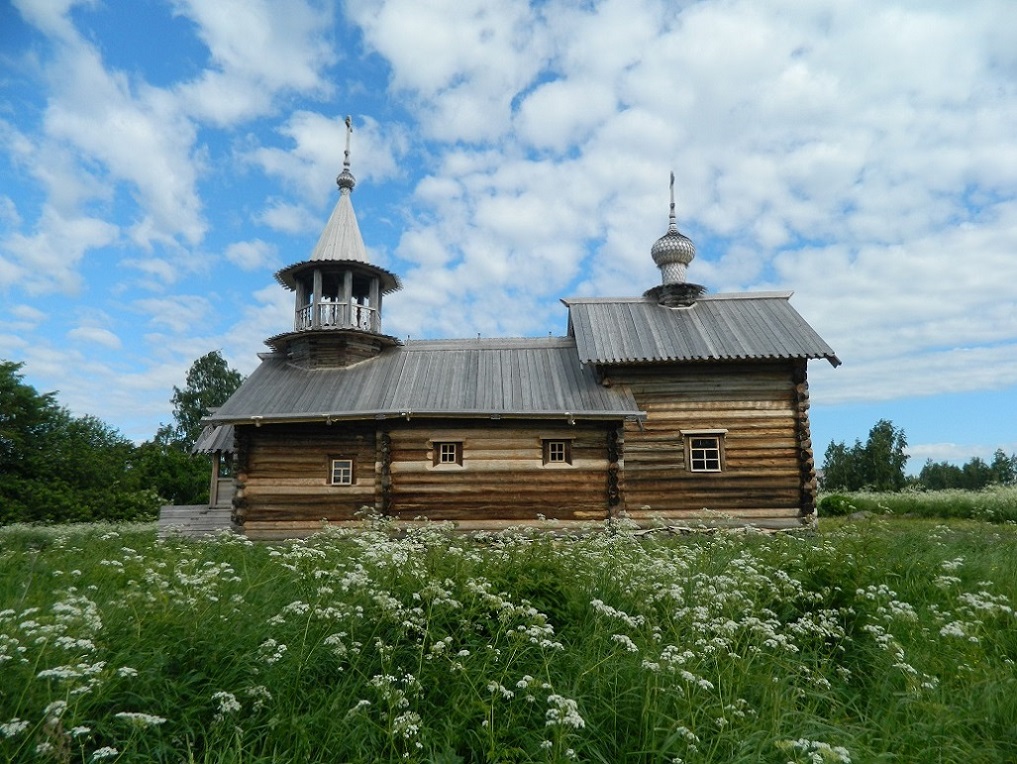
column 338, row 315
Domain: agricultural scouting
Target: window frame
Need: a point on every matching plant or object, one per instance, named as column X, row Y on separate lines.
column 332, row 461
column 547, row 452
column 438, row 452
column 700, row 459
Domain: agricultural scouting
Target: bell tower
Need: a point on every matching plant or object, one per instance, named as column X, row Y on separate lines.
column 338, row 292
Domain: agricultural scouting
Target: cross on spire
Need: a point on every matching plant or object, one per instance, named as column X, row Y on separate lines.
column 346, row 181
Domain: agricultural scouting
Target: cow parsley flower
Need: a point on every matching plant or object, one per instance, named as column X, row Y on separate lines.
column 139, row 719
column 564, row 712
column 14, row 727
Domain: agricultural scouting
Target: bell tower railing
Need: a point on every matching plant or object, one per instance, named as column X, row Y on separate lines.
column 337, row 315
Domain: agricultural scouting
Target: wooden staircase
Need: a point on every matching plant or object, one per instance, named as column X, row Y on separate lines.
column 193, row 521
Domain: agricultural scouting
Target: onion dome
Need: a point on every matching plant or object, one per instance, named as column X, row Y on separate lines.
column 673, row 251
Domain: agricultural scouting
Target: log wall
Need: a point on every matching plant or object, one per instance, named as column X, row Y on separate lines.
column 764, row 479
column 283, row 476
column 502, row 476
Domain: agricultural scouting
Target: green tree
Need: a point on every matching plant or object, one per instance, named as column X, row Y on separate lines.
column 884, row 457
column 975, row 474
column 840, row 467
column 210, row 381
column 939, row 476
column 1004, row 468
column 55, row 467
column 167, row 463
column 877, row 465
column 175, row 474
column 26, row 418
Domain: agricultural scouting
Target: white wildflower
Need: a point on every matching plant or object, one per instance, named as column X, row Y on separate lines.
column 228, row 704
column 55, row 709
column 496, row 687
column 625, row 641
column 139, row 719
column 954, row 629
column 106, row 752
column 14, row 727
column 564, row 712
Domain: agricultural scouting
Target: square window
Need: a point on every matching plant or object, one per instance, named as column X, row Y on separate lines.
column 704, row 453
column 448, row 452
column 342, row 472
column 557, row 452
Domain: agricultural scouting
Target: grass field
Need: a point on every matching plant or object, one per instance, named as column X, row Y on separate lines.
column 996, row 504
column 885, row 640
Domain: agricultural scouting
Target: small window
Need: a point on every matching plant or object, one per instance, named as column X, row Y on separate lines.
column 342, row 472
column 704, row 454
column 448, row 452
column 704, row 450
column 557, row 452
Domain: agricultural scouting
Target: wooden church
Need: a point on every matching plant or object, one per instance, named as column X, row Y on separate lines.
column 673, row 407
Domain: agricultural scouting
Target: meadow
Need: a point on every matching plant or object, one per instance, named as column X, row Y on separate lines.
column 995, row 504
column 883, row 640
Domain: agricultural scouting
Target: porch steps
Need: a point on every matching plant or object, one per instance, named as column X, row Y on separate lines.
column 193, row 520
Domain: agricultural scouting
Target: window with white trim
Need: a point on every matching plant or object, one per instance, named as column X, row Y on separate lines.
column 557, row 451
column 448, row 452
column 704, row 450
column 342, row 472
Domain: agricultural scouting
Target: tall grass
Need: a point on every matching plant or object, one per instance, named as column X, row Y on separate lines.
column 993, row 504
column 874, row 641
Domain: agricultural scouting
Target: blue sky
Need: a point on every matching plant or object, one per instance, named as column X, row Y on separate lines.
column 160, row 160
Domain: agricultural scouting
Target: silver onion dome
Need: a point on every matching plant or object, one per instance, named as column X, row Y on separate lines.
column 673, row 251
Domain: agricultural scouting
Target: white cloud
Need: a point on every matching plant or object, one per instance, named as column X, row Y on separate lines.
column 251, row 255
column 288, row 218
column 314, row 156
column 46, row 261
column 94, row 335
column 142, row 142
column 259, row 49
column 178, row 313
column 462, row 60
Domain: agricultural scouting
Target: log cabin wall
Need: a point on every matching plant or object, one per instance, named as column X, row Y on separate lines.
column 284, row 489
column 759, row 414
column 284, row 484
column 502, row 479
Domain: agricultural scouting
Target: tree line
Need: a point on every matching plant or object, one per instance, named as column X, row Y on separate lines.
column 879, row 465
column 56, row 467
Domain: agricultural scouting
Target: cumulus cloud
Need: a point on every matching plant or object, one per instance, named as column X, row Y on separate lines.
column 312, row 155
column 258, row 49
column 251, row 255
column 463, row 61
column 288, row 218
column 46, row 260
column 179, row 313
